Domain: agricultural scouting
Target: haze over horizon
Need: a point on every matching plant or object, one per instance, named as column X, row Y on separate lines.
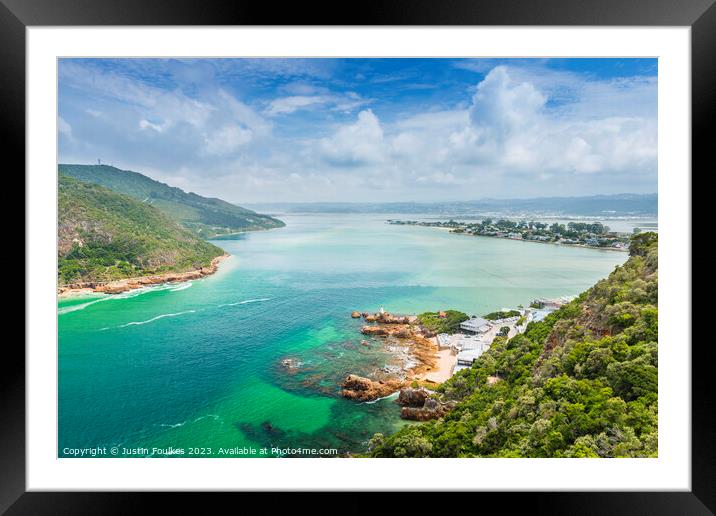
column 254, row 131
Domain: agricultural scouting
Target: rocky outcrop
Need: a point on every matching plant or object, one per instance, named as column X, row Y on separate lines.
column 374, row 330
column 410, row 397
column 387, row 318
column 401, row 332
column 406, row 329
column 355, row 314
column 431, row 409
column 358, row 388
column 125, row 285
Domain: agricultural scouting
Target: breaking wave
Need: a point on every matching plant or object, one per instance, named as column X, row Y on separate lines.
column 74, row 308
column 247, row 301
column 137, row 323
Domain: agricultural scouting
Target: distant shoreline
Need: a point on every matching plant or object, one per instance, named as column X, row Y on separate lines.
column 582, row 246
column 127, row 284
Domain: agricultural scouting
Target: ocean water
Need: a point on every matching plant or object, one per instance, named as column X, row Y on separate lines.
column 197, row 366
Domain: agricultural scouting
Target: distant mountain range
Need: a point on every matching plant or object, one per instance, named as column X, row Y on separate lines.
column 208, row 218
column 603, row 206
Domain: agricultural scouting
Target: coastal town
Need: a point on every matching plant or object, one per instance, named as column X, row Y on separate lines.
column 592, row 234
column 432, row 357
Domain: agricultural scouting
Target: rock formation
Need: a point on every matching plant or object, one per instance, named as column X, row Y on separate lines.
column 124, row 285
column 410, row 397
column 364, row 389
column 431, row 409
column 374, row 330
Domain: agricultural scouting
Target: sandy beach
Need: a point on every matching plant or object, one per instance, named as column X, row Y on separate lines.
column 445, row 364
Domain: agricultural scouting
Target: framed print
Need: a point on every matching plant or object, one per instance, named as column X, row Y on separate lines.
column 433, row 250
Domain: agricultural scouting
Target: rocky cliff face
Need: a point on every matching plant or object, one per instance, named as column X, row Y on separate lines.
column 417, row 405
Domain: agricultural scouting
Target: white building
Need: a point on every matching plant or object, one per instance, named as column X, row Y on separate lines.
column 466, row 357
column 475, row 325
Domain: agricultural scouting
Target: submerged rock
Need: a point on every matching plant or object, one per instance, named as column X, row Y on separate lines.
column 291, row 363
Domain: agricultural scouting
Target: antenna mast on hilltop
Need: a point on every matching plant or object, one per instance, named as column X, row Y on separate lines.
column 99, row 161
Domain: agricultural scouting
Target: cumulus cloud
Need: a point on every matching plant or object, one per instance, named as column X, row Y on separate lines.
column 517, row 131
column 358, row 143
column 512, row 130
column 502, row 107
column 508, row 131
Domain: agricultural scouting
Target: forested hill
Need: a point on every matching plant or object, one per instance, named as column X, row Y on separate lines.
column 205, row 217
column 103, row 235
column 580, row 383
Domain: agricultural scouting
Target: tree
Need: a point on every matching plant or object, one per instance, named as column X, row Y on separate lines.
column 641, row 243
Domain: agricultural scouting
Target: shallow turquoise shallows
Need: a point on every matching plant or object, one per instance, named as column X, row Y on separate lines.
column 197, row 366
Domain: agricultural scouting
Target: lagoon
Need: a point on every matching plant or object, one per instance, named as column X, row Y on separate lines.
column 197, row 366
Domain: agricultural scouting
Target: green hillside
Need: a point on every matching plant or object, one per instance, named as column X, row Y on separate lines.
column 580, row 383
column 205, row 217
column 103, row 235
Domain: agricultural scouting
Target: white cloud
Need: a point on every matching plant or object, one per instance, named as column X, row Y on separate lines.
column 227, row 140
column 345, row 102
column 512, row 131
column 285, row 105
column 358, row 143
column 508, row 135
column 501, row 107
column 521, row 131
column 63, row 127
column 146, row 124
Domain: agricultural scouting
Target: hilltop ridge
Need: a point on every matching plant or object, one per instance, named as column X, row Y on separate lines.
column 104, row 236
column 208, row 218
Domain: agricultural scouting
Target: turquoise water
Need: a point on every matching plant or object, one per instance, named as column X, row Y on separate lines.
column 198, row 365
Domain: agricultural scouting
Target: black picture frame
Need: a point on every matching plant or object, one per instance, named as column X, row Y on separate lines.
column 700, row 15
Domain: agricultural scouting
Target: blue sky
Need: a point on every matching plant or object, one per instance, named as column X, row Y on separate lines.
column 261, row 130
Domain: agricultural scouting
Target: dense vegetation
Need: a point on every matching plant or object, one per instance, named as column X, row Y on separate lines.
column 205, row 217
column 450, row 323
column 580, row 383
column 103, row 235
column 502, row 314
column 593, row 234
